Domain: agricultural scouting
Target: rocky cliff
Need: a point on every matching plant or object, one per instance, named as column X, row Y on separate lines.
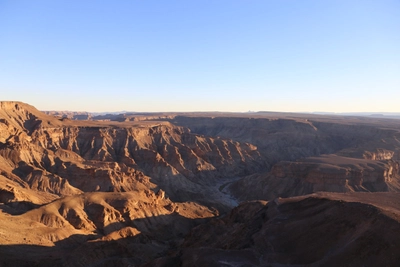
column 67, row 157
column 307, row 155
column 292, row 137
column 330, row 173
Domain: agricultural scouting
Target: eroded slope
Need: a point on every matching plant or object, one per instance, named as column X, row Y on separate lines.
column 90, row 228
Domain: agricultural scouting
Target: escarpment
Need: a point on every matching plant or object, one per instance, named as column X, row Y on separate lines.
column 287, row 139
column 310, row 155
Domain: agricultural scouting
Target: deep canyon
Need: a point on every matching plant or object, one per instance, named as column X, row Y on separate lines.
column 197, row 189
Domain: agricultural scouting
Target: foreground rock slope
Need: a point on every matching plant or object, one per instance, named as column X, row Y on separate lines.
column 325, row 229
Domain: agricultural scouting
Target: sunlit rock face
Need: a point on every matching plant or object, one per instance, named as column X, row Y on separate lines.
column 67, row 157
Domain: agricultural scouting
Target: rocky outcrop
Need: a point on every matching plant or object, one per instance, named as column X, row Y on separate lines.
column 17, row 118
column 379, row 154
column 17, row 197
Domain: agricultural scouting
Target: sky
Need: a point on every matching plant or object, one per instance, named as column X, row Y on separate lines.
column 201, row 55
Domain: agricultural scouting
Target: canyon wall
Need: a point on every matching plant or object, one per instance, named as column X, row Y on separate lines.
column 65, row 158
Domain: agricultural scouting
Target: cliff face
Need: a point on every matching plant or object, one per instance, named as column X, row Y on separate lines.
column 276, row 139
column 65, row 158
column 288, row 139
column 330, row 173
column 310, row 155
column 353, row 174
column 379, row 154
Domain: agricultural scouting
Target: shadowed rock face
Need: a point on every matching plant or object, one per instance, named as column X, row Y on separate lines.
column 307, row 155
column 289, row 138
column 148, row 189
column 319, row 230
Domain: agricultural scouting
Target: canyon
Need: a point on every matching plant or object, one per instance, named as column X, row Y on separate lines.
column 197, row 189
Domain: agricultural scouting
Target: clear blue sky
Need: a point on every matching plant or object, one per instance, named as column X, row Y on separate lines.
column 192, row 55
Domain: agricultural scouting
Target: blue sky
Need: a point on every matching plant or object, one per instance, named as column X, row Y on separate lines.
column 216, row 55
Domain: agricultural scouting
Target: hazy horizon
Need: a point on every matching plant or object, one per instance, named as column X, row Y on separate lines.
column 365, row 113
column 227, row 56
